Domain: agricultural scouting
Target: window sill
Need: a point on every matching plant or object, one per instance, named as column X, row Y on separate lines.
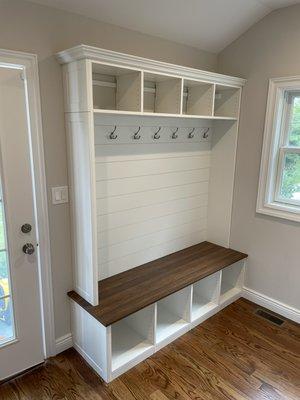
column 280, row 210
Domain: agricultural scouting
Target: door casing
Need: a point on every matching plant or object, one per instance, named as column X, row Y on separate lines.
column 28, row 63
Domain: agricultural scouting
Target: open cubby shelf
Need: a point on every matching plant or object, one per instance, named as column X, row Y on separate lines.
column 147, row 307
column 172, row 315
column 121, row 90
column 232, row 281
column 205, row 295
column 132, row 337
column 116, row 88
column 227, row 100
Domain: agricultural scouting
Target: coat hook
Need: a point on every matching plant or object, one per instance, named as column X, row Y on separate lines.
column 191, row 134
column 136, row 136
column 205, row 133
column 112, row 134
column 156, row 135
column 174, row 134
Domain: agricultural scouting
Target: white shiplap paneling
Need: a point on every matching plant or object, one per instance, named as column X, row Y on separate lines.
column 151, row 197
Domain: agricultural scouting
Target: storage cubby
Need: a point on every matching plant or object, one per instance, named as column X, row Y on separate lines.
column 198, row 98
column 132, row 337
column 116, row 88
column 162, row 94
column 227, row 100
column 173, row 314
column 205, row 295
column 232, row 280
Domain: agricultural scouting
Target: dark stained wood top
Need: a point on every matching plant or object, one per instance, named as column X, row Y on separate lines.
column 124, row 294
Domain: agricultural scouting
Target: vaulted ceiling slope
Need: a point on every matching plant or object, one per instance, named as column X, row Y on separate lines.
column 205, row 24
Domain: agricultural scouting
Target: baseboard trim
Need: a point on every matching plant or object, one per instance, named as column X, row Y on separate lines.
column 272, row 304
column 63, row 343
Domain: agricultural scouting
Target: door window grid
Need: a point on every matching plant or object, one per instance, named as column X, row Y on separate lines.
column 287, row 189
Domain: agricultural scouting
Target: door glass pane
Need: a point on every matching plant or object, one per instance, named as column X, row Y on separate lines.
column 290, row 184
column 294, row 127
column 7, row 330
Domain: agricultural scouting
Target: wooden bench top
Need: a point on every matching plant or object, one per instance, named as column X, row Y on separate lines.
column 130, row 291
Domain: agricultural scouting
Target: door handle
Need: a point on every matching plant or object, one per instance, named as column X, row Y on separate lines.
column 28, row 248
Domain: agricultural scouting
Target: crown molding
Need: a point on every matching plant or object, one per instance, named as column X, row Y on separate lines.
column 126, row 60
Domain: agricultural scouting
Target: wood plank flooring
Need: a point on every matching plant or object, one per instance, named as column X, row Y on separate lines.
column 234, row 355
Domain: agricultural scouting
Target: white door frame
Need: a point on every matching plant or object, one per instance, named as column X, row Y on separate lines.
column 28, row 63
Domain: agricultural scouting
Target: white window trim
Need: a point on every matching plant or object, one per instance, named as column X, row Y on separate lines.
column 268, row 184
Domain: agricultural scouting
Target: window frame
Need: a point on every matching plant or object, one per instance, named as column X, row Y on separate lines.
column 275, row 147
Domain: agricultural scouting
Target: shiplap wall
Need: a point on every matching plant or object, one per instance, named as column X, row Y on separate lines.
column 152, row 195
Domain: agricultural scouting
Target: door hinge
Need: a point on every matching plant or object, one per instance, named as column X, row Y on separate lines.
column 22, row 76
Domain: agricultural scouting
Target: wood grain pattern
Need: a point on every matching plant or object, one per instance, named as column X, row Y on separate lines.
column 235, row 355
column 128, row 292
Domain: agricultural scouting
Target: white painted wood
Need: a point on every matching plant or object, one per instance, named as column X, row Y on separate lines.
column 147, row 198
column 129, row 61
column 91, row 339
column 132, row 260
column 129, row 92
column 77, row 81
column 168, row 96
column 227, row 101
column 173, row 315
column 132, row 337
column 200, row 98
column 83, row 204
column 221, row 182
column 266, row 203
column 205, row 295
column 232, row 281
column 139, row 199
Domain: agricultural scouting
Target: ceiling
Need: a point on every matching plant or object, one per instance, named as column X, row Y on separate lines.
column 205, row 24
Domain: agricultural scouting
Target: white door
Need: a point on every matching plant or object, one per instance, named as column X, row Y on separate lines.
column 21, row 339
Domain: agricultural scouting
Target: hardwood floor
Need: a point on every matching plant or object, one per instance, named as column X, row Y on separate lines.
column 233, row 355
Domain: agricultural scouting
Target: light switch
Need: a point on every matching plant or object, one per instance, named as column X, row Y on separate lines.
column 60, row 195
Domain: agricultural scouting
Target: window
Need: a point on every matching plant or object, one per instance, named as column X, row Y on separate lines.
column 279, row 184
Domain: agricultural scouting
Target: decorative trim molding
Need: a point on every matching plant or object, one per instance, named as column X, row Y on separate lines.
column 126, row 60
column 272, row 304
column 29, row 65
column 266, row 203
column 63, row 343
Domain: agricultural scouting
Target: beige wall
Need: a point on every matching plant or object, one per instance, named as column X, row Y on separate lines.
column 269, row 49
column 44, row 31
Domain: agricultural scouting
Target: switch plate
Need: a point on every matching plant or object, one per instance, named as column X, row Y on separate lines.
column 60, row 195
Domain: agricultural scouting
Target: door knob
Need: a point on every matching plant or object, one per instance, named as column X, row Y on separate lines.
column 28, row 248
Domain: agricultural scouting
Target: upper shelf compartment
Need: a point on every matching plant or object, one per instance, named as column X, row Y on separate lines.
column 116, row 89
column 227, row 100
column 162, row 94
column 198, row 98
